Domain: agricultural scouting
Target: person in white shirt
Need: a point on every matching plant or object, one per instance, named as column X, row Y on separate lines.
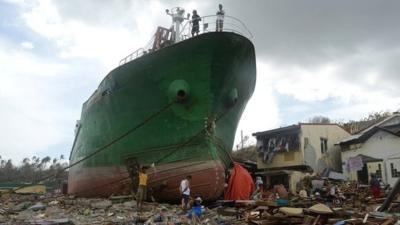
column 184, row 189
column 220, row 18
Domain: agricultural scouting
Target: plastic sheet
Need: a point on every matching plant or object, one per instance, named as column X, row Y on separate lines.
column 241, row 184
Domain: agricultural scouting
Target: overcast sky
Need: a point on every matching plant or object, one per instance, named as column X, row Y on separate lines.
column 333, row 58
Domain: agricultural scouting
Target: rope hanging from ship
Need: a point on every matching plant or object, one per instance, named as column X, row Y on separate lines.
column 139, row 125
column 178, row 147
column 193, row 137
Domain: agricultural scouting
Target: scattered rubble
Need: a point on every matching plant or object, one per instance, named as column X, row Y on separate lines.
column 356, row 208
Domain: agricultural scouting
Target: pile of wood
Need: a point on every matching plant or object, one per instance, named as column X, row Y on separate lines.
column 266, row 213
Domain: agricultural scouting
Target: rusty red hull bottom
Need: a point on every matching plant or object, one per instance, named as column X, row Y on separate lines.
column 164, row 180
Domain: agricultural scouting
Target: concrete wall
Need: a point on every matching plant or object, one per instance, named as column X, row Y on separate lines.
column 381, row 145
column 282, row 159
column 294, row 178
column 310, row 154
column 312, row 151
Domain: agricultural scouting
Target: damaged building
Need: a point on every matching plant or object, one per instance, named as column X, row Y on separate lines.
column 287, row 154
column 375, row 149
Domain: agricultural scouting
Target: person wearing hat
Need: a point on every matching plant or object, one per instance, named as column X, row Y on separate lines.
column 142, row 189
column 195, row 23
column 197, row 208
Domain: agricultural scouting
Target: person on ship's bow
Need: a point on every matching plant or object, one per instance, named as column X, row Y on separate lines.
column 195, row 23
column 220, row 18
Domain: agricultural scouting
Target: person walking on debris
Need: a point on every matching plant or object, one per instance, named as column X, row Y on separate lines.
column 257, row 194
column 184, row 189
column 142, row 189
column 375, row 186
column 220, row 18
column 195, row 23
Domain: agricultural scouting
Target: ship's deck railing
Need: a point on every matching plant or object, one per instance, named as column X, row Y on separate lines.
column 209, row 24
column 139, row 52
column 132, row 56
column 206, row 25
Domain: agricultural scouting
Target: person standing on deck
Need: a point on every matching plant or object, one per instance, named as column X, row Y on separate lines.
column 142, row 189
column 195, row 23
column 220, row 18
column 184, row 189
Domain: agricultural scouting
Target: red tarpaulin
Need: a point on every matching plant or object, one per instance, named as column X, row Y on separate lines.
column 241, row 185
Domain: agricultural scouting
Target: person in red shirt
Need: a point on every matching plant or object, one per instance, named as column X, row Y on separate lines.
column 375, row 186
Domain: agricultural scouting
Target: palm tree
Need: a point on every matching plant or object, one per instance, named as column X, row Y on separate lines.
column 44, row 161
column 26, row 160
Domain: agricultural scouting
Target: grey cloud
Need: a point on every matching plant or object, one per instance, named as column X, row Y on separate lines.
column 314, row 30
column 304, row 33
column 95, row 11
column 310, row 33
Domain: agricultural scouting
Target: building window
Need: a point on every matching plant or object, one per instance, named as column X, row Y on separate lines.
column 394, row 171
column 379, row 171
column 306, row 142
column 324, row 145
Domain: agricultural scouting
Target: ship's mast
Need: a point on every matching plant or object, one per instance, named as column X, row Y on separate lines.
column 177, row 15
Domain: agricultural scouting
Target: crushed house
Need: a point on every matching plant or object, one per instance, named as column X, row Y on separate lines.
column 287, row 154
column 375, row 149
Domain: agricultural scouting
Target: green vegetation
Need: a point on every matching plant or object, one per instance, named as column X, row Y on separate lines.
column 32, row 169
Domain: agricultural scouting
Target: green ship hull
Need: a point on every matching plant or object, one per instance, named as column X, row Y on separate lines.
column 176, row 108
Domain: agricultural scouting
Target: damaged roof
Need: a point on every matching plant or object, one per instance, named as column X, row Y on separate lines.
column 289, row 129
column 365, row 134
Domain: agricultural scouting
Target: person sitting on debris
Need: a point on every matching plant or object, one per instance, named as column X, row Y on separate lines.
column 303, row 193
column 184, row 189
column 197, row 208
column 375, row 186
column 303, row 187
column 281, row 191
column 195, row 23
column 142, row 189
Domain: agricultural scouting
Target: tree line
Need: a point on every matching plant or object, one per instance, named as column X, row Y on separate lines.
column 32, row 170
column 355, row 126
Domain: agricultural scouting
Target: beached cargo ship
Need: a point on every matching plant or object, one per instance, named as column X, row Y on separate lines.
column 175, row 105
